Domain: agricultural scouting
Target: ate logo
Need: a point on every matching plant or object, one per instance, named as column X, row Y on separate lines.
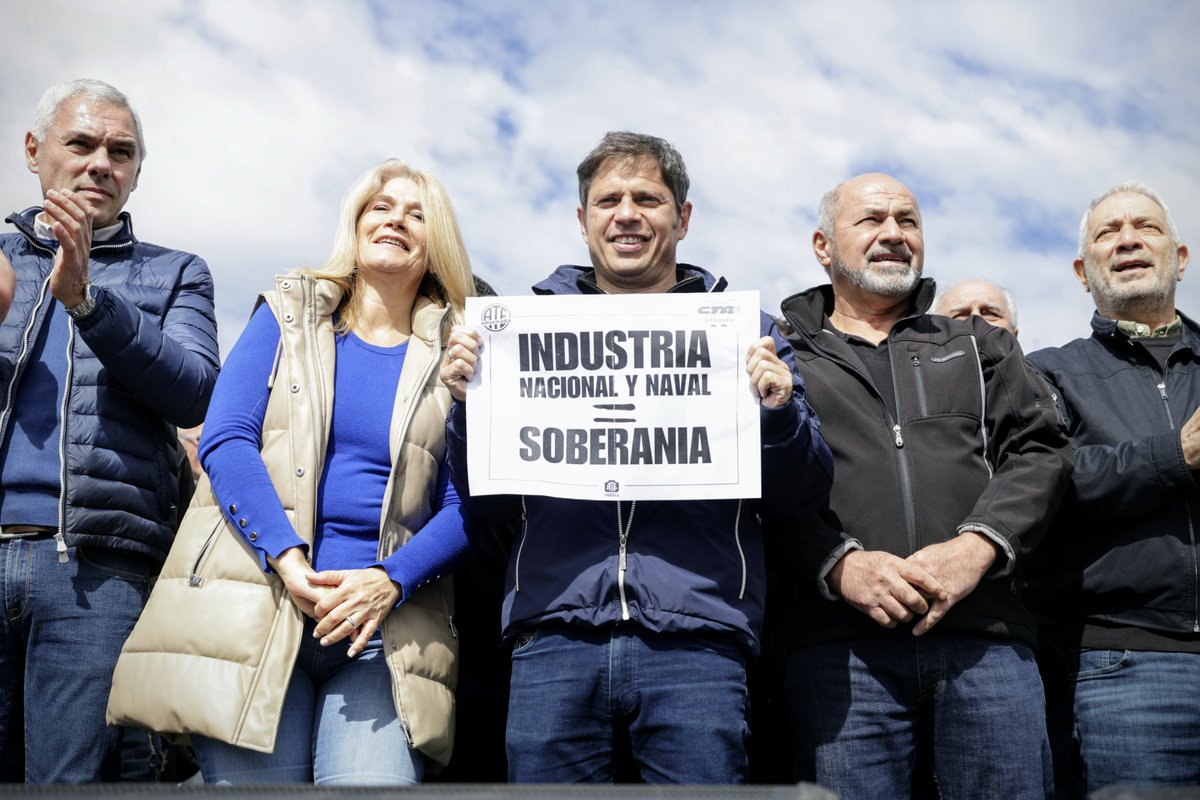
column 495, row 317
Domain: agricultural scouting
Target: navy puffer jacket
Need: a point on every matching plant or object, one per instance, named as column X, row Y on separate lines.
column 142, row 363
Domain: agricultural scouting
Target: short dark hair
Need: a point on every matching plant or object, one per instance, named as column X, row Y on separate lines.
column 628, row 145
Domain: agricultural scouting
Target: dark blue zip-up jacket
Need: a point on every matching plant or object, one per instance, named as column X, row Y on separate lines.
column 1123, row 551
column 693, row 567
column 142, row 363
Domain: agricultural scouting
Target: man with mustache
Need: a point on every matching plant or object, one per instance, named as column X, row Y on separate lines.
column 1118, row 577
column 911, row 653
column 109, row 344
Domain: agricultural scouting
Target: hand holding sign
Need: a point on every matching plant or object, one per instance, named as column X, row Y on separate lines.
column 462, row 354
column 770, row 378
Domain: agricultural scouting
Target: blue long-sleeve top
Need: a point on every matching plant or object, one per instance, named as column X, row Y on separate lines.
column 357, row 462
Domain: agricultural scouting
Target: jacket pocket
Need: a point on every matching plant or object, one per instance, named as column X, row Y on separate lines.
column 195, row 578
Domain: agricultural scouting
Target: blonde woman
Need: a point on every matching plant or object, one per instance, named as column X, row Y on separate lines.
column 354, row 511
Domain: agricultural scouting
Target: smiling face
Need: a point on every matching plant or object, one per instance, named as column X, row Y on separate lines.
column 876, row 247
column 391, row 231
column 631, row 227
column 1130, row 261
column 91, row 149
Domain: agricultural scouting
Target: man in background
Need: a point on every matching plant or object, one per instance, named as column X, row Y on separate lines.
column 981, row 298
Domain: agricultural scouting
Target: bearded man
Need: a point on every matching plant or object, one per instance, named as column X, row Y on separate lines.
column 911, row 653
column 1117, row 581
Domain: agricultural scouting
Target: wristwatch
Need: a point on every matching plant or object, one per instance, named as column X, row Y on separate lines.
column 87, row 305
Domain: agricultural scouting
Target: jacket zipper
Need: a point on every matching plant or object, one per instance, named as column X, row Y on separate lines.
column 60, row 541
column 313, row 367
column 520, row 547
column 983, row 429
column 910, row 514
column 737, row 540
column 895, row 432
column 1162, row 392
column 922, row 406
column 622, row 544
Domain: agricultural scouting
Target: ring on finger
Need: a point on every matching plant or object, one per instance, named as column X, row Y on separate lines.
column 350, row 619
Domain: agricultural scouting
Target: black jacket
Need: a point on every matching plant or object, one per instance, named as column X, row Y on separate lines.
column 1124, row 549
column 976, row 446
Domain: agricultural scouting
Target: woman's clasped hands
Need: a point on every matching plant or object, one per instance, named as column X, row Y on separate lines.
column 344, row 602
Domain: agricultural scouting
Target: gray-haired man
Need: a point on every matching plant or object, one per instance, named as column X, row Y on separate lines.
column 109, row 344
column 1118, row 576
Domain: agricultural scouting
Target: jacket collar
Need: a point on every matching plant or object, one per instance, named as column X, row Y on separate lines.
column 23, row 222
column 428, row 320
column 1106, row 329
column 427, row 316
column 573, row 279
column 809, row 309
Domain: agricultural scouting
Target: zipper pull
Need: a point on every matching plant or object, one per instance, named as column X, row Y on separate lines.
column 916, row 361
column 621, row 558
column 60, row 544
column 899, row 438
column 453, row 630
column 1162, row 390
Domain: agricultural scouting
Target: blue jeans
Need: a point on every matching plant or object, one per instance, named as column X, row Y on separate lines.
column 1136, row 719
column 62, row 631
column 863, row 709
column 680, row 701
column 338, row 727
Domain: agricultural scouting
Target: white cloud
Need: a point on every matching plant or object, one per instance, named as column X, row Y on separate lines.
column 1005, row 118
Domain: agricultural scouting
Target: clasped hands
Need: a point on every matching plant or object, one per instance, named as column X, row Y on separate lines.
column 890, row 589
column 344, row 602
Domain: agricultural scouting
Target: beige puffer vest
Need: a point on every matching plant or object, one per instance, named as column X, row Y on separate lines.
column 218, row 662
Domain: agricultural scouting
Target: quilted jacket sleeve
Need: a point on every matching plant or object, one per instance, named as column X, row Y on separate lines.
column 172, row 366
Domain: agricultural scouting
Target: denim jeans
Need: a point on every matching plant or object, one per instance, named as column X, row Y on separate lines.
column 1136, row 720
column 679, row 701
column 338, row 727
column 62, row 631
column 863, row 709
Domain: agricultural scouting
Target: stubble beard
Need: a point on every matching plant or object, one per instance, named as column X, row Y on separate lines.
column 1133, row 299
column 890, row 283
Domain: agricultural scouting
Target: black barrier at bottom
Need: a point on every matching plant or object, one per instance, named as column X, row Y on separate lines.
column 442, row 791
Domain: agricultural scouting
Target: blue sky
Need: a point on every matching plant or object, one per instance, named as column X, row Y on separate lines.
column 1004, row 118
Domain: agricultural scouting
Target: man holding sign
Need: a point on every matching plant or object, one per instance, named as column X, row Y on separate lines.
column 632, row 621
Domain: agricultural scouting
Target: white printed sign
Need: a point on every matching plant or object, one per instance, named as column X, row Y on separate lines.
column 631, row 397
